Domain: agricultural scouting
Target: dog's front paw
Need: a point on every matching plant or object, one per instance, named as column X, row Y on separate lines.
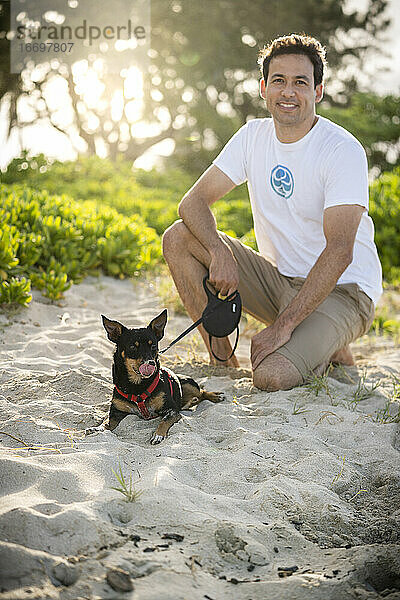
column 156, row 438
column 221, row 396
column 92, row 430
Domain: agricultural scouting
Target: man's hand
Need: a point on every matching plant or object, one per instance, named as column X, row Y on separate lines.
column 223, row 270
column 267, row 341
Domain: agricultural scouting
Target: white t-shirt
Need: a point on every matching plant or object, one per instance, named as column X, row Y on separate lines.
column 290, row 186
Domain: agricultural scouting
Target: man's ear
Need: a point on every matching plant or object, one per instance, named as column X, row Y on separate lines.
column 319, row 92
column 158, row 324
column 262, row 89
column 113, row 328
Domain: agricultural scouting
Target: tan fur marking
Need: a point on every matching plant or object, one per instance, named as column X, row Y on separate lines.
column 132, row 365
column 156, row 402
column 190, row 395
column 165, row 426
column 191, row 402
column 137, row 344
column 123, row 405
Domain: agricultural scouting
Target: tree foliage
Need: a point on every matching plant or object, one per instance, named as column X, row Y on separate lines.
column 202, row 81
column 375, row 122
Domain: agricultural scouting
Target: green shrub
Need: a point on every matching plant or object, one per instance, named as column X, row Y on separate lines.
column 151, row 195
column 53, row 241
column 385, row 212
column 117, row 215
column 15, row 291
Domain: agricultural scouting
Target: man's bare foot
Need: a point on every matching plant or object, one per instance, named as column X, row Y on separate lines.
column 343, row 357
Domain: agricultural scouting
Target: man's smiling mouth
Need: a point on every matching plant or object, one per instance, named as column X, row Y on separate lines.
column 287, row 105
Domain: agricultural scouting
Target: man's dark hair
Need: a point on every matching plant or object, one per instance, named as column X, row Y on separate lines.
column 295, row 43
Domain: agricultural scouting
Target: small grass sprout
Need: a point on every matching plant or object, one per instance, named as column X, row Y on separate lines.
column 357, row 494
column 363, row 391
column 319, row 383
column 396, row 389
column 338, row 476
column 384, row 415
column 327, row 414
column 131, row 495
column 298, row 410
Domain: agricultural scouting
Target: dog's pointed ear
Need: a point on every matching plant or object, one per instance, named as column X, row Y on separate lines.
column 158, row 324
column 113, row 328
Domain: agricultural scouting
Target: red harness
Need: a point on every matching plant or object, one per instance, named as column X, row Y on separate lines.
column 139, row 399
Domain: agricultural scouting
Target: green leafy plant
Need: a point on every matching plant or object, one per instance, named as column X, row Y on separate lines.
column 384, row 210
column 97, row 215
column 127, row 490
column 54, row 241
column 15, row 291
column 54, row 283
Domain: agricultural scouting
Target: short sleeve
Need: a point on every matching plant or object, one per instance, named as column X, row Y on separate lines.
column 346, row 180
column 232, row 158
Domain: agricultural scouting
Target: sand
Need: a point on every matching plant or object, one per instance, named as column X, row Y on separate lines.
column 285, row 495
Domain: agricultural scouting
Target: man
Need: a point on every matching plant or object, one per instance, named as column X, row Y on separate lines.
column 317, row 277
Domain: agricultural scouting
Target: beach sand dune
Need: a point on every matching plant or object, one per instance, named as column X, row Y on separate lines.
column 286, row 495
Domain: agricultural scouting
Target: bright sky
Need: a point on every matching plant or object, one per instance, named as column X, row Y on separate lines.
column 45, row 139
column 386, row 82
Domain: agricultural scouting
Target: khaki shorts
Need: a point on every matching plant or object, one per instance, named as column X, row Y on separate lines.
column 346, row 314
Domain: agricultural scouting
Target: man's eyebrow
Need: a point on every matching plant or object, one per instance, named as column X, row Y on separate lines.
column 306, row 77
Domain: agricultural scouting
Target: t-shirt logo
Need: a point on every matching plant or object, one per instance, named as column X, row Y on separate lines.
column 282, row 181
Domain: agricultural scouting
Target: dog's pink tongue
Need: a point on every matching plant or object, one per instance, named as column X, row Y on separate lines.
column 146, row 369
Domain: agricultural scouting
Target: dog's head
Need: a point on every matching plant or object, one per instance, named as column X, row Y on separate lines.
column 138, row 347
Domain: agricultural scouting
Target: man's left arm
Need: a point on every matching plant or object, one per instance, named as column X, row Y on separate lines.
column 340, row 225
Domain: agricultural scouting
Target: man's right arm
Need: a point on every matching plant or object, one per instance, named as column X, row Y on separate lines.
column 195, row 212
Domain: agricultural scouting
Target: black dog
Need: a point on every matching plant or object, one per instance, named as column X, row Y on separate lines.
column 141, row 386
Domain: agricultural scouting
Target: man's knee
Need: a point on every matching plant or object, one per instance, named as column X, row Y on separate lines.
column 276, row 373
column 174, row 238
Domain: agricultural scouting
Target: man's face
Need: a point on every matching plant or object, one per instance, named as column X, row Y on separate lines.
column 289, row 90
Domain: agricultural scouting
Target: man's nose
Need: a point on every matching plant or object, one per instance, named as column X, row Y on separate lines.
column 288, row 90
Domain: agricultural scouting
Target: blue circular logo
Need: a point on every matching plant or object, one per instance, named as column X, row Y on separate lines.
column 282, row 181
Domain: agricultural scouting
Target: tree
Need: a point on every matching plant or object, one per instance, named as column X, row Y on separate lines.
column 202, row 82
column 375, row 122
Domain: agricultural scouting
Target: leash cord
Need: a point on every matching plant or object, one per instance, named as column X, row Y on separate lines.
column 188, row 330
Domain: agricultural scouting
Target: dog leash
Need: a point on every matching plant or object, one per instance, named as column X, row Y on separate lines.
column 188, row 330
column 214, row 303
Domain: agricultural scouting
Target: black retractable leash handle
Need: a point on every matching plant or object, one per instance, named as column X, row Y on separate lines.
column 220, row 317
